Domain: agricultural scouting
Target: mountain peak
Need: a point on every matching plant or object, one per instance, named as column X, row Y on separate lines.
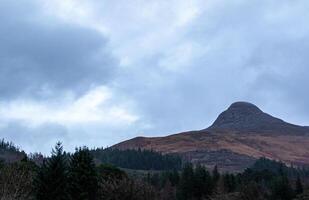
column 244, row 108
column 244, row 116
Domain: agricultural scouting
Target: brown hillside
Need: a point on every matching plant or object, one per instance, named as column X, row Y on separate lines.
column 240, row 135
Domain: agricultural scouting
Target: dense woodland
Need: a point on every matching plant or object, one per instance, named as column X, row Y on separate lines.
column 137, row 159
column 8, row 146
column 77, row 176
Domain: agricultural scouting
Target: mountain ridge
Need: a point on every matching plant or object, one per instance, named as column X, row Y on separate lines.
column 240, row 135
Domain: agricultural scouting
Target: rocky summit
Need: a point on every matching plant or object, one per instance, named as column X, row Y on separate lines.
column 244, row 116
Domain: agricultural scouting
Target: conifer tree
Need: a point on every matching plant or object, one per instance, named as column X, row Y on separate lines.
column 202, row 183
column 174, row 177
column 215, row 177
column 299, row 186
column 229, row 182
column 281, row 188
column 51, row 182
column 185, row 190
column 168, row 192
column 215, row 174
column 83, row 182
column 252, row 191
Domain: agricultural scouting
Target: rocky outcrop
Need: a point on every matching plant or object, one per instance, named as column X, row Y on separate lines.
column 243, row 116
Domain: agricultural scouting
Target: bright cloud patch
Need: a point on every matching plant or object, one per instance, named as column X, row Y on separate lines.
column 96, row 106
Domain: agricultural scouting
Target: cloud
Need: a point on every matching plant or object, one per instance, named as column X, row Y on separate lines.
column 88, row 120
column 106, row 71
column 35, row 139
column 95, row 106
column 54, row 82
column 183, row 74
column 43, row 58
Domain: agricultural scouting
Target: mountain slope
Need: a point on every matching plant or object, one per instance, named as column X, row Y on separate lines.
column 239, row 136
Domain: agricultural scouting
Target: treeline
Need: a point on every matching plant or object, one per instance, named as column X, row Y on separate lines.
column 10, row 152
column 8, row 146
column 137, row 159
column 66, row 176
column 275, row 167
column 266, row 180
column 76, row 176
column 190, row 183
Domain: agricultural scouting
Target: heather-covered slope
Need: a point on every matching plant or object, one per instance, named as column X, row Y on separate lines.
column 239, row 136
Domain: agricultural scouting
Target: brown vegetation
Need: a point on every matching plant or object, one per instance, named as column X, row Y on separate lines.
column 241, row 134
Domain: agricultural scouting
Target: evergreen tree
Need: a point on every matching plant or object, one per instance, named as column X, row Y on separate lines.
column 251, row 191
column 281, row 188
column 186, row 184
column 299, row 186
column 51, row 182
column 2, row 162
column 83, row 182
column 155, row 180
column 137, row 159
column 229, row 182
column 215, row 174
column 110, row 173
column 202, row 183
column 174, row 177
column 168, row 192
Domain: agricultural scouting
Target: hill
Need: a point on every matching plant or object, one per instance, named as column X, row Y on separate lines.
column 238, row 137
column 9, row 152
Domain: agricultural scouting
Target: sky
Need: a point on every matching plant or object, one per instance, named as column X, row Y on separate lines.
column 97, row 72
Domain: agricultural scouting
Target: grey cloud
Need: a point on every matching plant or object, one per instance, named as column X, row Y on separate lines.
column 246, row 50
column 256, row 51
column 37, row 54
column 34, row 139
column 43, row 137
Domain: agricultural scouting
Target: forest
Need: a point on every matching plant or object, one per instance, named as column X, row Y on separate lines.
column 137, row 159
column 78, row 176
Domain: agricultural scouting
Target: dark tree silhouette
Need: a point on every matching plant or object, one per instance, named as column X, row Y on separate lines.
column 186, row 184
column 52, row 180
column 299, row 186
column 82, row 177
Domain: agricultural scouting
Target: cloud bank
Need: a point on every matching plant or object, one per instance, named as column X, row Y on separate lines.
column 98, row 72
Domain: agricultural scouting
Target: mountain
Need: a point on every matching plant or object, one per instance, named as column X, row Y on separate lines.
column 246, row 117
column 239, row 136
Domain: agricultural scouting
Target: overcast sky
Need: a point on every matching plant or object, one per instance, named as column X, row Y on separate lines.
column 97, row 72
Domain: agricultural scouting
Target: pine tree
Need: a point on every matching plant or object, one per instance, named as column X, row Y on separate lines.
column 252, row 191
column 215, row 177
column 185, row 189
column 168, row 191
column 202, row 183
column 51, row 182
column 281, row 188
column 174, row 177
column 215, row 174
column 299, row 186
column 83, row 182
column 229, row 182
